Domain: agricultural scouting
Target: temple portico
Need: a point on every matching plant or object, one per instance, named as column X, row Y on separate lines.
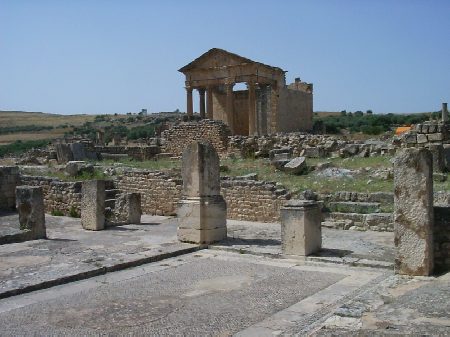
column 267, row 106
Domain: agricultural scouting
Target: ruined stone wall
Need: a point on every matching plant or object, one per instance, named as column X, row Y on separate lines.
column 160, row 192
column 135, row 152
column 177, row 138
column 295, row 110
column 253, row 200
column 441, row 239
column 9, row 179
column 58, row 195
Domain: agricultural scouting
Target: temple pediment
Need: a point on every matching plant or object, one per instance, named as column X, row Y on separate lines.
column 219, row 58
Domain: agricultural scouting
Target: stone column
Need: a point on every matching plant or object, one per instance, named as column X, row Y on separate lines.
column 202, row 210
column 301, row 231
column 413, row 214
column 209, row 103
column 93, row 205
column 444, row 113
column 189, row 104
column 30, row 205
column 201, row 92
column 230, row 106
column 9, row 179
column 252, row 126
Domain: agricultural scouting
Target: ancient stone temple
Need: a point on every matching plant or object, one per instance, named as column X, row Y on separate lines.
column 267, row 106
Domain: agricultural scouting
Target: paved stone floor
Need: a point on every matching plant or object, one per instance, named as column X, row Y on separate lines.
column 207, row 293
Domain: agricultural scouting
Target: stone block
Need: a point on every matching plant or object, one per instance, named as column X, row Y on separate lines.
column 413, row 215
column 78, row 151
column 202, row 213
column 127, row 208
column 295, row 166
column 435, row 137
column 422, row 138
column 301, row 232
column 410, row 138
column 93, row 205
column 9, row 179
column 63, row 153
column 30, row 205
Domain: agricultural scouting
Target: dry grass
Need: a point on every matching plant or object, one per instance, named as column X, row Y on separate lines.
column 19, row 118
column 24, row 136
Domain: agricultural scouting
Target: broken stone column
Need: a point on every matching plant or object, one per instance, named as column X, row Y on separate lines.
column 301, row 231
column 30, row 205
column 202, row 210
column 9, row 179
column 437, row 151
column 413, row 215
column 128, row 208
column 93, row 205
column 444, row 113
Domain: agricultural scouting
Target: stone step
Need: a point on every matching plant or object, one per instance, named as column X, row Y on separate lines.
column 354, row 207
column 110, row 203
column 111, row 194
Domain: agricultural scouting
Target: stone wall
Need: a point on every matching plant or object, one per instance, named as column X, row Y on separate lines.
column 9, row 179
column 246, row 199
column 253, row 200
column 58, row 195
column 441, row 239
column 135, row 152
column 160, row 191
column 177, row 138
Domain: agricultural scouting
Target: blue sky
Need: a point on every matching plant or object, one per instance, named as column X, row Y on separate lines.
column 119, row 56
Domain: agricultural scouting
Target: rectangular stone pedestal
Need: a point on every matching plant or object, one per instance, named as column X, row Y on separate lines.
column 30, row 205
column 301, row 232
column 93, row 205
column 202, row 220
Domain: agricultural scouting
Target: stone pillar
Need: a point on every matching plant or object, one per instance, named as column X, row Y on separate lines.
column 93, row 205
column 301, row 231
column 9, row 179
column 252, row 126
column 201, row 93
column 189, row 104
column 413, row 214
column 202, row 210
column 209, row 103
column 128, row 208
column 230, row 106
column 444, row 113
column 30, row 205
column 437, row 151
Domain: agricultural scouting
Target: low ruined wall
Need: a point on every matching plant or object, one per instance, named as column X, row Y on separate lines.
column 177, row 138
column 441, row 239
column 246, row 199
column 253, row 200
column 58, row 195
column 135, row 152
column 160, row 192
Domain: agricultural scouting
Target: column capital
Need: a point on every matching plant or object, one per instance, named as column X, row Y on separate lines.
column 189, row 89
column 201, row 91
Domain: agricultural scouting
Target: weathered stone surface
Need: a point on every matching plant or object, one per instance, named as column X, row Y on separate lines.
column 30, row 205
column 9, row 179
column 93, row 205
column 442, row 239
column 78, row 151
column 74, row 168
column 301, row 232
column 295, row 166
column 413, row 216
column 127, row 208
column 63, row 153
column 202, row 211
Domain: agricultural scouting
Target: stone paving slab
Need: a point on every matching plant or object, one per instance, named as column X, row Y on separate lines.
column 368, row 249
column 207, row 293
column 72, row 253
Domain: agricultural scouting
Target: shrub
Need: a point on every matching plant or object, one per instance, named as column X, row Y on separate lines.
column 21, row 146
column 57, row 212
column 74, row 213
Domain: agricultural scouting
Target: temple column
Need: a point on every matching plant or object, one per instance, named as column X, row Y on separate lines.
column 252, row 127
column 230, row 106
column 209, row 103
column 189, row 105
column 201, row 92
